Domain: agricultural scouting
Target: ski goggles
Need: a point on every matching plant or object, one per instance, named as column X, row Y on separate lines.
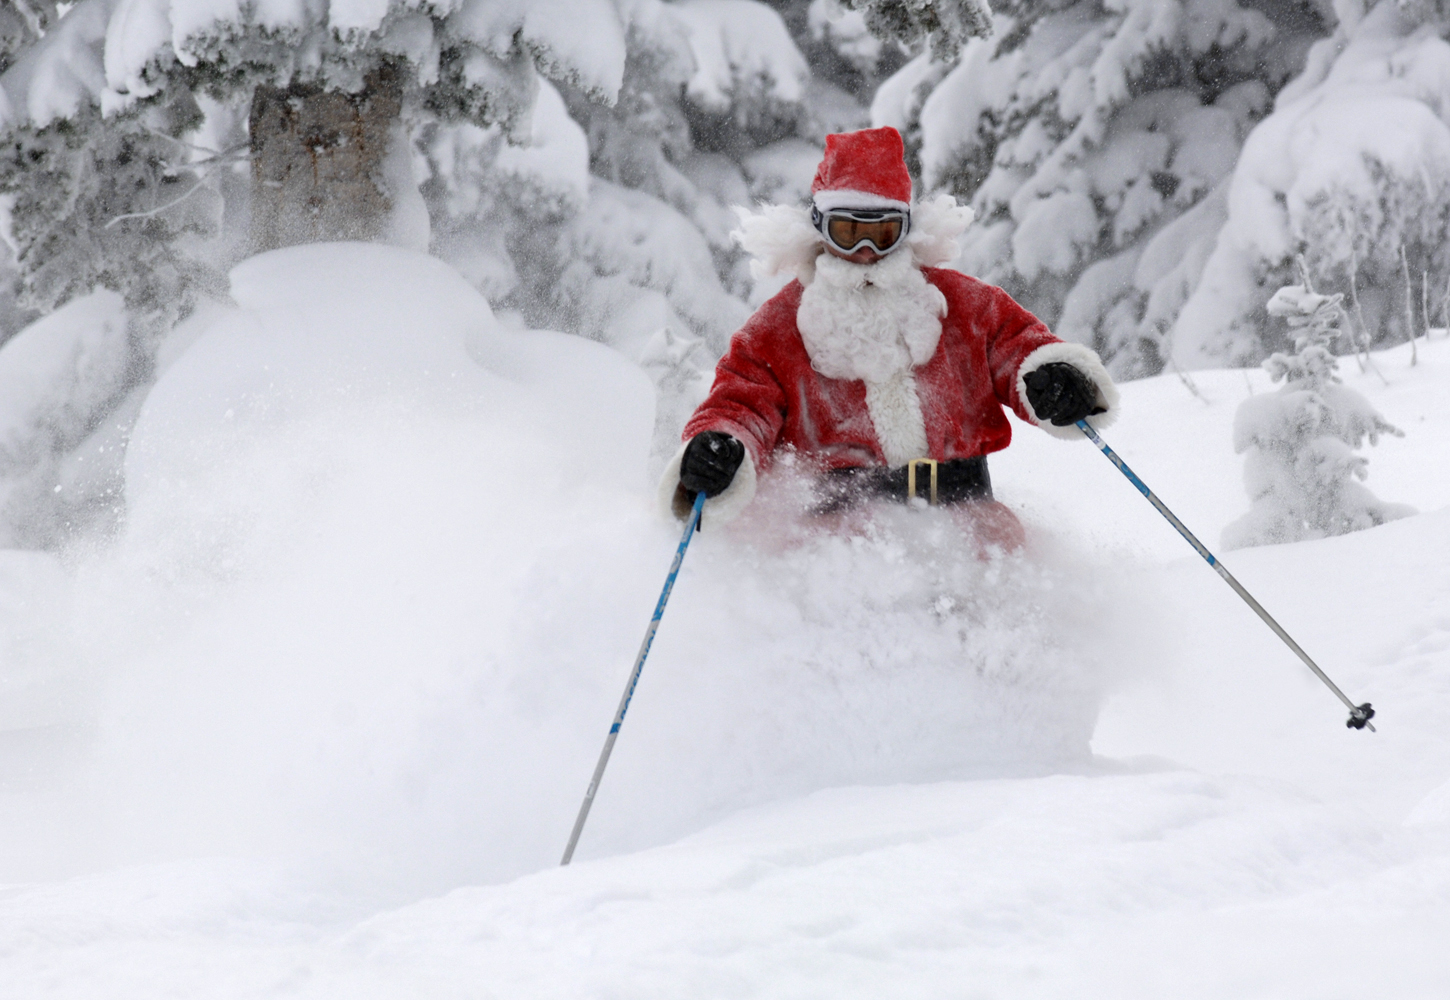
column 848, row 230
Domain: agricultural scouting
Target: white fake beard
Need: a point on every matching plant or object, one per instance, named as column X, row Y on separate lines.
column 869, row 321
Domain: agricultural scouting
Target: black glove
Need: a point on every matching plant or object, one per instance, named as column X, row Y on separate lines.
column 710, row 462
column 1061, row 394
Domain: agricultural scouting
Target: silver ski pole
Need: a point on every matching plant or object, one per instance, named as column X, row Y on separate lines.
column 1359, row 715
column 649, row 638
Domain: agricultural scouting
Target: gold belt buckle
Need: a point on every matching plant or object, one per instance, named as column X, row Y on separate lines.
column 911, row 477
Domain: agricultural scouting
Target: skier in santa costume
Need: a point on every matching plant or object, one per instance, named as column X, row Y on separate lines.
column 882, row 370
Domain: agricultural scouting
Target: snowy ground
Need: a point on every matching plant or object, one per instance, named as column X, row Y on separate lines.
column 317, row 723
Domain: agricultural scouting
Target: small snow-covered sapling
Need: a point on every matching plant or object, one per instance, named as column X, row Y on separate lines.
column 1302, row 474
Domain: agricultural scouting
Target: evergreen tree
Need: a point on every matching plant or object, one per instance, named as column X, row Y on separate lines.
column 1093, row 139
column 110, row 189
column 123, row 127
column 1351, row 170
column 1302, row 473
column 22, row 24
column 577, row 160
column 840, row 47
column 944, row 26
column 115, row 204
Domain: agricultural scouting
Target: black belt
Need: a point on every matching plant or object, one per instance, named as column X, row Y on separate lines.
column 957, row 481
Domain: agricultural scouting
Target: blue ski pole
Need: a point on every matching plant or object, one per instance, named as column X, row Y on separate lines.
column 649, row 638
column 1359, row 715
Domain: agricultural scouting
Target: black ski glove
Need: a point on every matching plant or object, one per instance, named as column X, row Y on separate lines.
column 1060, row 394
column 710, row 462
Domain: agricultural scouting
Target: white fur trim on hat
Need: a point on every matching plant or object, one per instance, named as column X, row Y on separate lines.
column 718, row 509
column 1085, row 360
column 827, row 200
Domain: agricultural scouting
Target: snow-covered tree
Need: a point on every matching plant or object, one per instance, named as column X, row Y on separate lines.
column 124, row 125
column 108, row 189
column 327, row 86
column 88, row 203
column 942, row 26
column 839, row 46
column 114, row 204
column 616, row 222
column 22, row 24
column 1093, row 139
column 1350, row 170
column 1302, row 474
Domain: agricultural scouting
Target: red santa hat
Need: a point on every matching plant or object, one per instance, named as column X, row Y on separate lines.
column 865, row 169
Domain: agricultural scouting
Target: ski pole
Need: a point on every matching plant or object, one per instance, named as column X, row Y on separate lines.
column 1359, row 715
column 649, row 638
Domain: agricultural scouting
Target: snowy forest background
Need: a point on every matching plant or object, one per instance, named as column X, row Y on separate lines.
column 1144, row 173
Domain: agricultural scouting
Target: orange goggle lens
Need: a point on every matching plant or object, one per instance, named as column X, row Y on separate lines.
column 848, row 233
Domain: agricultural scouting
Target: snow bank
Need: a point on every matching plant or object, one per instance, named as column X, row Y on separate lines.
column 1131, row 886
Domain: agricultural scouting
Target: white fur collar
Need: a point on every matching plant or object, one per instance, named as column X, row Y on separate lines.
column 783, row 241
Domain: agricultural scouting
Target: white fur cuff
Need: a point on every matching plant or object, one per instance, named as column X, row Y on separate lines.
column 1085, row 360
column 718, row 510
column 827, row 200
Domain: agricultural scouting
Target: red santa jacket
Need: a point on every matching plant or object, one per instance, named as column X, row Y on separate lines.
column 767, row 394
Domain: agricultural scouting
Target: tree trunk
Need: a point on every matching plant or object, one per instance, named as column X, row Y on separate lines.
column 318, row 161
